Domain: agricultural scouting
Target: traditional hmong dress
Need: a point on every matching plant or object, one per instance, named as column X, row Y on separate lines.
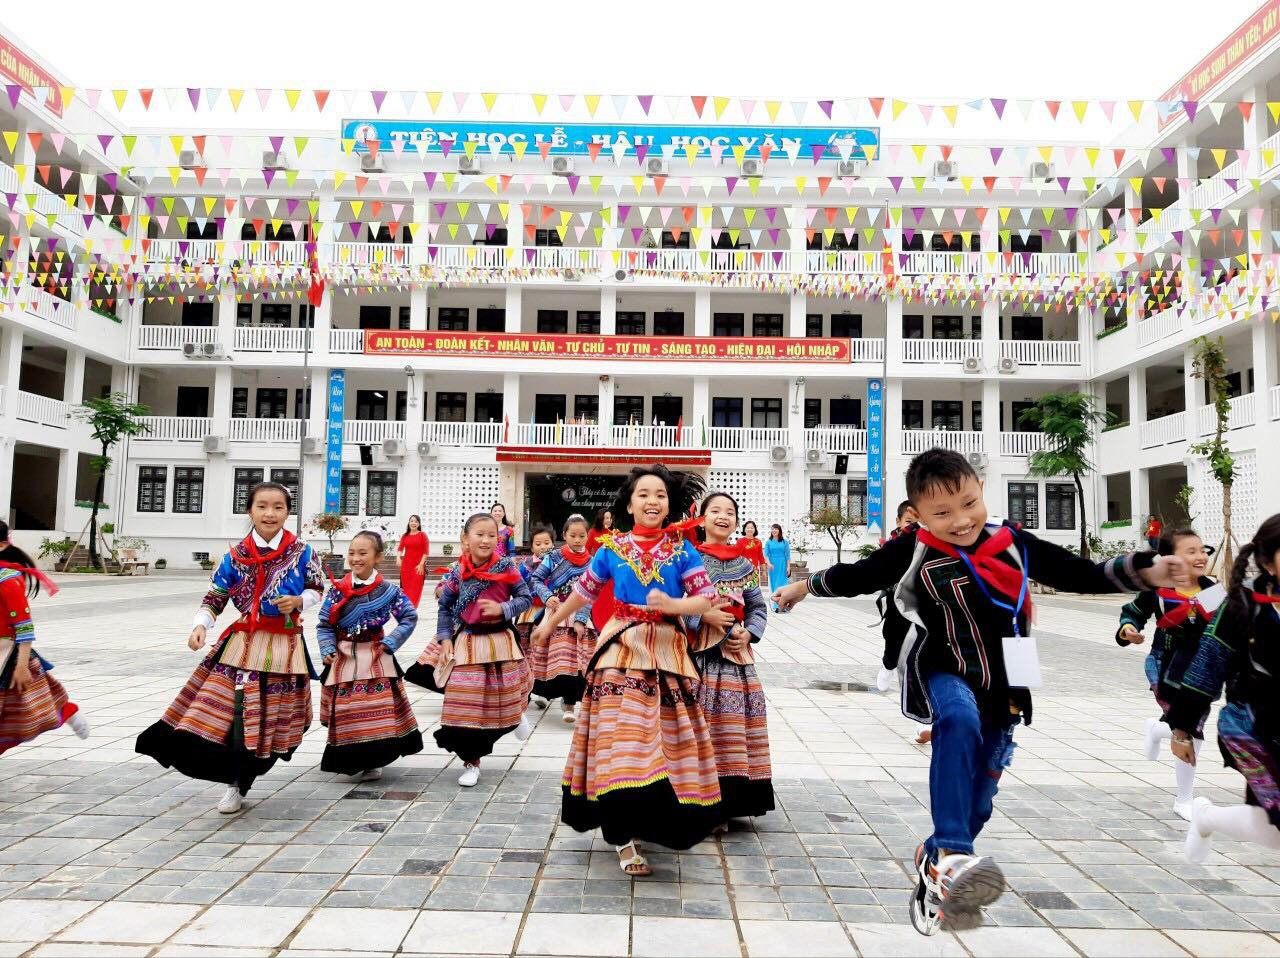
column 641, row 764
column 505, row 546
column 529, row 618
column 43, row 705
column 362, row 698
column 557, row 665
column 1179, row 624
column 1242, row 656
column 731, row 694
column 249, row 702
column 488, row 689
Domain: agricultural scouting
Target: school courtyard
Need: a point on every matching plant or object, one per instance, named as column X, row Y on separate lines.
column 103, row 853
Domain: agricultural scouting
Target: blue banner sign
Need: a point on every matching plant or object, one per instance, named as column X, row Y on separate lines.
column 337, row 400
column 576, row 138
column 875, row 457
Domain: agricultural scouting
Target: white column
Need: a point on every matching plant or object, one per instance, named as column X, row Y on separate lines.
column 893, row 334
column 1139, row 495
column 700, row 416
column 991, row 417
column 990, row 334
column 410, row 484
column 224, row 316
column 73, row 378
column 702, row 312
column 604, row 414
column 1138, row 395
column 320, row 331
column 515, row 234
column 511, row 402
column 10, row 371
column 7, row 444
column 799, row 248
column 1264, row 379
column 895, row 468
column 513, row 309
column 220, row 408
column 797, row 480
column 419, row 309
column 608, row 311
column 65, row 514
column 798, row 311
column 703, row 219
column 1192, row 391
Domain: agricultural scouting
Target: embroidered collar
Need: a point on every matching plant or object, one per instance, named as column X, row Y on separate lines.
column 646, row 561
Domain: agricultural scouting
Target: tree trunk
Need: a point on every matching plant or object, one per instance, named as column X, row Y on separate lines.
column 99, row 489
column 1084, row 529
column 1227, row 557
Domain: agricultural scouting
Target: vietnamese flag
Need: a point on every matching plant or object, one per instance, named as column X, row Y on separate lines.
column 315, row 292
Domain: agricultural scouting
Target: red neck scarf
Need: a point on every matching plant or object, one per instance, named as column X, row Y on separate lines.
column 997, row 575
column 250, row 556
column 1183, row 606
column 49, row 585
column 577, row 559
column 724, row 551
column 467, row 569
column 641, row 534
column 1265, row 598
column 349, row 590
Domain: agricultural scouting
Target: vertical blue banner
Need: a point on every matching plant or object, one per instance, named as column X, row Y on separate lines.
column 875, row 457
column 337, row 400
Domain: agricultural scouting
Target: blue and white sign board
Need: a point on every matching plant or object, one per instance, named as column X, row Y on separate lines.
column 875, row 457
column 576, row 138
column 337, row 401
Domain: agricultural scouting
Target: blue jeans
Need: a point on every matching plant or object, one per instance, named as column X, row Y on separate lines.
column 964, row 772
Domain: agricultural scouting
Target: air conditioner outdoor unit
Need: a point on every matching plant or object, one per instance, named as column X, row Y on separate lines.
column 215, row 444
column 972, row 364
column 190, row 160
column 212, row 351
column 371, row 163
column 426, row 449
column 469, row 165
column 621, row 275
column 1008, row 364
column 191, row 350
column 944, row 170
column 1041, row 171
column 313, row 446
column 815, row 457
column 274, row 160
column 752, row 169
column 562, row 166
column 571, row 275
column 977, row 459
column 851, row 167
column 655, row 166
column 394, row 448
column 780, row 454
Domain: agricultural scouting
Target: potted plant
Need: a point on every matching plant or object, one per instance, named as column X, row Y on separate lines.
column 447, row 548
column 206, row 564
column 162, row 563
column 329, row 525
column 60, row 549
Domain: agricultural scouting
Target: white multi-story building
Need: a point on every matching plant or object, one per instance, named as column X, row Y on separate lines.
column 507, row 330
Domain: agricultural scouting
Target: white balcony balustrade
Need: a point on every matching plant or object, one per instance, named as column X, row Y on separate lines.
column 42, row 410
column 50, row 308
column 174, row 428
column 271, row 339
column 918, row 440
column 932, row 263
column 371, row 432
column 192, row 252
column 1162, row 325
column 174, row 337
column 1021, row 444
column 746, row 438
column 940, row 350
column 346, row 340
column 463, row 257
column 267, row 430
column 836, row 439
column 853, row 262
column 369, row 254
column 463, row 434
column 1041, row 352
column 1241, row 414
column 1163, row 431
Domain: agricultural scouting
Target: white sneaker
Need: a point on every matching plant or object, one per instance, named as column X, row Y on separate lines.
column 524, row 729
column 1199, row 837
column 79, row 725
column 1183, row 809
column 470, row 775
column 567, row 713
column 539, row 701
column 370, row 775
column 884, row 678
column 231, row 802
column 1157, row 732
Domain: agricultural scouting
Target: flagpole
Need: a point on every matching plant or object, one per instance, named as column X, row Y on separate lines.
column 308, row 332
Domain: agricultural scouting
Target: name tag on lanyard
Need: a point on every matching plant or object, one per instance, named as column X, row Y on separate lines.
column 1021, row 657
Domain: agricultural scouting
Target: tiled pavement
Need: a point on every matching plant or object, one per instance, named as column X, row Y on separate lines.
column 102, row 854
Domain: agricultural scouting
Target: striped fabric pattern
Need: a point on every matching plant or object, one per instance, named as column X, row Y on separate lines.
column 559, row 656
column 733, row 699
column 646, row 646
column 38, row 709
column 367, row 710
column 488, row 696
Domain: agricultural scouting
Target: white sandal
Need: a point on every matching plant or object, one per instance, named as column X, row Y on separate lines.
column 635, row 861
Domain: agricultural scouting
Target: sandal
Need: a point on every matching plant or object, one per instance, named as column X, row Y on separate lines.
column 636, row 866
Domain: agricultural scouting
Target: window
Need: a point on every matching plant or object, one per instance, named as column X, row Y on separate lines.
column 824, row 494
column 371, row 404
column 628, row 409
column 547, row 238
column 586, row 407
column 587, row 323
column 846, row 326
column 1026, row 327
column 197, row 314
column 272, row 404
column 846, row 412
column 728, row 324
column 244, row 314
column 453, row 319
column 668, row 410
column 913, row 414
column 375, row 317
column 942, row 243
column 302, row 403
column 287, row 478
column 188, row 489
column 671, row 241
column 491, row 320
column 193, row 401
column 947, row 414
column 240, row 402
column 384, row 235
column 307, row 316
column 196, row 231
column 553, row 320
column 451, row 407
column 494, row 236
column 725, row 241
column 245, row 479
column 766, row 414
column 402, row 405
column 630, row 323
column 488, row 407
column 1017, row 409
column 405, row 320
column 668, row 323
column 813, row 325
column 913, row 243
column 975, row 415
column 151, row 483
column 1034, row 243
column 766, row 324
column 726, row 411
column 381, row 493
column 1024, row 504
column 812, row 413
column 1059, row 505
column 548, row 408
column 975, row 327
column 349, row 500
column 275, row 314
column 856, row 500
column 913, row 327
column 948, row 327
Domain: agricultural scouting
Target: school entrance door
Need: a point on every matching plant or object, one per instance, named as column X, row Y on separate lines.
column 552, row 497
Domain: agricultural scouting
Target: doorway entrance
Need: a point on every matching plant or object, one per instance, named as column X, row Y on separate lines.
column 551, row 498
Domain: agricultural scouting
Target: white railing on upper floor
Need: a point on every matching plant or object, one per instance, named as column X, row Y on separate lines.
column 50, row 308
column 369, row 432
column 480, row 434
column 581, row 258
column 266, row 430
column 369, row 254
column 940, row 350
column 1041, row 352
column 746, row 438
column 918, row 440
column 866, row 350
column 856, row 262
column 1021, row 443
column 749, row 261
column 845, row 439
column 283, row 252
column 463, row 257
column 42, row 410
column 174, row 428
column 271, row 339
column 576, row 434
column 1039, row 264
column 174, row 337
column 930, row 262
column 1163, row 431
column 192, row 251
column 8, row 179
column 1163, row 324
column 1241, row 414
column 69, row 218
column 346, row 340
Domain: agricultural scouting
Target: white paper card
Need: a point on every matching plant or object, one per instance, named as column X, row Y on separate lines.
column 1021, row 662
column 1212, row 597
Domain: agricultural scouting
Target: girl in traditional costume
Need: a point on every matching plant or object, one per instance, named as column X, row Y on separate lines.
column 541, row 543
column 557, row 665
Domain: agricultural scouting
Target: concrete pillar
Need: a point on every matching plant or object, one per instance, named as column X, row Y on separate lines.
column 410, row 484
column 73, row 378
column 515, row 232
column 65, row 509
column 10, row 370
column 604, row 400
column 895, row 484
column 608, row 312
column 419, row 309
column 1265, row 379
column 220, row 408
column 797, row 479
column 702, row 312
column 513, row 303
column 702, row 238
column 511, row 402
column 893, row 334
column 1192, row 390
column 1138, row 395
column 320, row 330
column 990, row 334
column 224, row 317
column 7, row 444
column 798, row 310
column 700, row 415
column 991, row 417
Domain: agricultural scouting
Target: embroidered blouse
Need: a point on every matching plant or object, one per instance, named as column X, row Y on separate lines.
column 16, row 623
column 460, row 598
column 739, row 580
column 671, row 564
column 296, row 571
column 368, row 612
column 555, row 576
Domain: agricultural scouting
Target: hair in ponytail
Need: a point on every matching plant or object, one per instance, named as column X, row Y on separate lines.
column 1264, row 545
column 12, row 555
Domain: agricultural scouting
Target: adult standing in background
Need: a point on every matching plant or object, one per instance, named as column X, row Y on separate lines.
column 602, row 525
column 506, row 531
column 777, row 550
column 411, row 557
column 752, row 547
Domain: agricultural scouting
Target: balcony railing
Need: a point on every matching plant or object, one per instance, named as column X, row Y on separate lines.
column 1018, row 444
column 370, row 432
column 50, row 308
column 174, row 429
column 841, row 439
column 8, row 179
column 586, row 259
column 283, row 252
column 346, row 340
column 479, row 434
column 918, row 440
column 1163, row 431
column 1040, row 264
column 266, row 430
column 174, row 337
column 929, row 263
column 271, row 339
column 68, row 218
column 940, row 350
column 856, row 262
column 465, row 257
column 575, row 434
column 370, row 254
column 190, row 251
column 1041, row 352
column 1163, row 324
column 1242, row 414
column 866, row 350
column 42, row 410
column 746, row 438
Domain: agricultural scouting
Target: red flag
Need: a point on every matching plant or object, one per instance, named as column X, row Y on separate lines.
column 315, row 293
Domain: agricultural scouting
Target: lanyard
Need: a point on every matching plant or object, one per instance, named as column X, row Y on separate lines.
column 1022, row 589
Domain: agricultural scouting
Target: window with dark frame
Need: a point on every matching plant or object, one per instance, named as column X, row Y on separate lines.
column 193, row 401
column 1024, row 504
column 587, row 322
column 287, row 478
column 846, row 326
column 244, row 479
column 553, row 321
column 1059, row 505
column 628, row 409
column 1026, row 327
column 824, row 494
column 272, row 403
column 913, row 414
column 586, row 407
column 813, row 325
column 491, row 320
column 488, row 407
column 188, row 489
column 302, row 403
column 948, row 327
column 766, row 324
column 453, row 319
column 766, row 413
column 728, row 324
column 151, row 488
column 371, row 404
column 240, row 402
column 244, row 314
column 913, row 327
column 975, row 415
column 375, row 317
column 275, row 314
column 451, row 407
column 812, row 413
column 1016, row 409
column 549, row 408
column 845, row 412
column 856, row 499
column 380, row 492
column 349, row 500
column 197, row 314
column 668, row 323
column 630, row 323
column 726, row 412
column 946, row 414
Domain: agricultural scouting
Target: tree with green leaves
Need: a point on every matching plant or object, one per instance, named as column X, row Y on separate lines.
column 1068, row 422
column 1209, row 362
column 837, row 523
column 110, row 418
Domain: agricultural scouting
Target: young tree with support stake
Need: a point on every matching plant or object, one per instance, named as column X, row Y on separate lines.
column 1068, row 421
column 1209, row 363
column 111, row 418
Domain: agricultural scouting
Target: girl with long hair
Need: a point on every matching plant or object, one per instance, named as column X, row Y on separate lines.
column 411, row 556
